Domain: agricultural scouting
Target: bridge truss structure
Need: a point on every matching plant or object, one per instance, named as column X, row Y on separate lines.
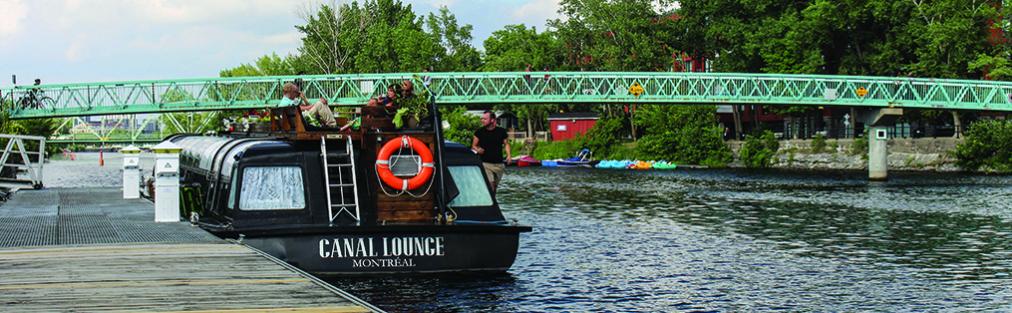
column 239, row 93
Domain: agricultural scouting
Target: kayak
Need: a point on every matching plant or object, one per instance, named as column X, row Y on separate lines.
column 641, row 165
column 664, row 165
column 526, row 160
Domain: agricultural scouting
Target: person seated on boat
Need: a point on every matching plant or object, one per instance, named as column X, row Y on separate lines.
column 387, row 101
column 407, row 89
column 321, row 111
column 290, row 95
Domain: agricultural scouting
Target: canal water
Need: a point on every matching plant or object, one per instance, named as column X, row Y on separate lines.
column 719, row 240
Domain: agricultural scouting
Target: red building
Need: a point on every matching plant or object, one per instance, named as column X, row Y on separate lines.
column 568, row 125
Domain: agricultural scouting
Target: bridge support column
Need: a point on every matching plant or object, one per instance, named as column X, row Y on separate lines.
column 878, row 154
column 879, row 121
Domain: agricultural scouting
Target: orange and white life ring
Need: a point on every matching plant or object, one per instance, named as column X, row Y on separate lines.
column 424, row 172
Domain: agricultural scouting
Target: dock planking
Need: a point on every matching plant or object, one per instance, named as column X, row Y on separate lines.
column 95, row 252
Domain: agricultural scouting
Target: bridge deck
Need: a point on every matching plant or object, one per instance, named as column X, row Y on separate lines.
column 89, row 250
column 212, row 94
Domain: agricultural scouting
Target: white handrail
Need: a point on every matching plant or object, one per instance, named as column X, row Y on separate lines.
column 15, row 145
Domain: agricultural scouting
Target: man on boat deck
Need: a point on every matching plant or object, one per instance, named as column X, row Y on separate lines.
column 488, row 142
column 320, row 110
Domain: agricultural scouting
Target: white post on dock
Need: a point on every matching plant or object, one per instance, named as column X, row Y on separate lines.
column 131, row 172
column 166, row 182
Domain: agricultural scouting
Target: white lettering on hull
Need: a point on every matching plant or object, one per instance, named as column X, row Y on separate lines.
column 390, row 251
column 398, row 262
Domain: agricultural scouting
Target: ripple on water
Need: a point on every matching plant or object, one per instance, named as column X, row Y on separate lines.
column 719, row 240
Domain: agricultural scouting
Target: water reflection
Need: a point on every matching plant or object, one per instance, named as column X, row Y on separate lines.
column 717, row 240
column 736, row 241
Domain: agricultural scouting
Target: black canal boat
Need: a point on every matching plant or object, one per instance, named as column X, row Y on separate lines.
column 369, row 201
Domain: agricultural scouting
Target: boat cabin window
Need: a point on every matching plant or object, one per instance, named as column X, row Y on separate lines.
column 232, row 189
column 472, row 186
column 272, row 188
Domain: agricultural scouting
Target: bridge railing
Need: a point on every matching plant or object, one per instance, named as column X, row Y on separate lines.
column 155, row 96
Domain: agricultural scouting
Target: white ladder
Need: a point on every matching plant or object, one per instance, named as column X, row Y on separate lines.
column 345, row 189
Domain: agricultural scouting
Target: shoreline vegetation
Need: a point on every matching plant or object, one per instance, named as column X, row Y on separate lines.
column 986, row 147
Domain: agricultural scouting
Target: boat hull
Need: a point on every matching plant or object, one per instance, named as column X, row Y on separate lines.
column 380, row 251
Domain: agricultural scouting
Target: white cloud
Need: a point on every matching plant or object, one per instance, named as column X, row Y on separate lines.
column 76, row 13
column 73, row 52
column 536, row 12
column 442, row 3
column 11, row 14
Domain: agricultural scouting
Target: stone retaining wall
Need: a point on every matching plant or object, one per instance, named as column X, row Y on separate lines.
column 920, row 154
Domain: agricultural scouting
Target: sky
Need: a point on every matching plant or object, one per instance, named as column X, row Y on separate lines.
column 75, row 41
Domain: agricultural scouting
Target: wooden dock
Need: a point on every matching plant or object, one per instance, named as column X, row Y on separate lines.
column 85, row 250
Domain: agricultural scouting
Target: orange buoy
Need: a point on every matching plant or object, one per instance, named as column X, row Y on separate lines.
column 383, row 163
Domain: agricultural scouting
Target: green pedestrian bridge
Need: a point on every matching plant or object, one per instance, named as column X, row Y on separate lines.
column 212, row 94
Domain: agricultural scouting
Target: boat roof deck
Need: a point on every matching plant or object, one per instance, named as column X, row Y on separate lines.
column 90, row 250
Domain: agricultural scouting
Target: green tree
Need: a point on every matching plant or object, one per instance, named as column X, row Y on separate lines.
column 628, row 35
column 268, row 65
column 462, row 124
column 987, row 145
column 605, row 138
column 458, row 54
column 8, row 125
column 854, row 37
column 187, row 122
column 759, row 151
column 684, row 134
column 512, row 49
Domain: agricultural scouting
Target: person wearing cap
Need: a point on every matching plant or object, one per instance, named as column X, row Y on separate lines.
column 293, row 96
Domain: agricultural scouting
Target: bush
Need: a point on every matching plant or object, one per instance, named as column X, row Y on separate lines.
column 818, row 143
column 605, row 136
column 859, row 146
column 462, row 124
column 625, row 151
column 551, row 150
column 986, row 145
column 517, row 148
column 686, row 135
column 759, row 151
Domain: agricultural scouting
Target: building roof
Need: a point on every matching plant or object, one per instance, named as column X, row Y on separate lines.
column 573, row 116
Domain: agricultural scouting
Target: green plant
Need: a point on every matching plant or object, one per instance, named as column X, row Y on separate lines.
column 818, row 143
column 625, row 151
column 462, row 124
column 686, row 135
column 986, row 145
column 759, row 151
column 605, row 136
column 859, row 146
column 551, row 150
